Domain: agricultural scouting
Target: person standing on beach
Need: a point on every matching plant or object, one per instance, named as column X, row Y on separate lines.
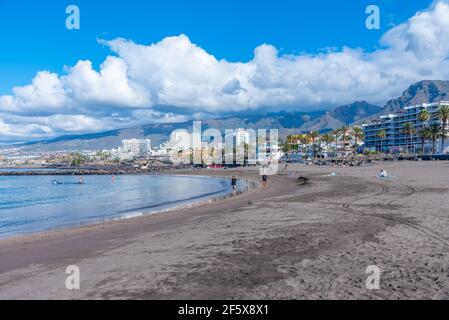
column 264, row 180
column 264, row 174
column 234, row 183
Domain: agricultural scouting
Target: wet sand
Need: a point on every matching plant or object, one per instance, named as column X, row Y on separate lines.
column 289, row 241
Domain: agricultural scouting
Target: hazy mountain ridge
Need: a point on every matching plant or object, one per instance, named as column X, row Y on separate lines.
column 426, row 91
column 343, row 115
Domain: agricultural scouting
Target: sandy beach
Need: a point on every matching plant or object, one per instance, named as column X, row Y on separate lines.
column 293, row 240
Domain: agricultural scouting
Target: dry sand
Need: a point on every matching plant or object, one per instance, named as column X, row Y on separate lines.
column 290, row 241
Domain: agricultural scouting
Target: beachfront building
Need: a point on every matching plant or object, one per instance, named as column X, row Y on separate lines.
column 241, row 137
column 136, row 147
column 395, row 139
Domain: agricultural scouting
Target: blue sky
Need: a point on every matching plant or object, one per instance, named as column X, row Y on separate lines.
column 135, row 62
column 34, row 36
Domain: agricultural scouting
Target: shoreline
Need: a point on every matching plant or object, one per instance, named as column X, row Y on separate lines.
column 59, row 237
column 193, row 202
column 310, row 238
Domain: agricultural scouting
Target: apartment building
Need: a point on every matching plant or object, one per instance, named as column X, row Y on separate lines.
column 396, row 140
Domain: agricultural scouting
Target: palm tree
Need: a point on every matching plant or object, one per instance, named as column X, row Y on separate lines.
column 313, row 136
column 423, row 134
column 381, row 134
column 294, row 139
column 345, row 134
column 424, row 116
column 443, row 115
column 286, row 147
column 304, row 139
column 336, row 134
column 327, row 139
column 433, row 133
column 409, row 130
column 291, row 143
column 358, row 135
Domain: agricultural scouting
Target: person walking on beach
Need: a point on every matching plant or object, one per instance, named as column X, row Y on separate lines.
column 264, row 180
column 234, row 183
column 264, row 173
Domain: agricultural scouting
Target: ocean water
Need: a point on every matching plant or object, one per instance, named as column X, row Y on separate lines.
column 31, row 204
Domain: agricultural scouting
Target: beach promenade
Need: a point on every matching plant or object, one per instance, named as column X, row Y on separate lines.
column 292, row 240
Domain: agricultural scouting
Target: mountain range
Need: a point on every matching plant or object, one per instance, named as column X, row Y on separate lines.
column 426, row 91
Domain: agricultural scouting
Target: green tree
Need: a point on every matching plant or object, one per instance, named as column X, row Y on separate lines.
column 345, row 135
column 286, row 147
column 336, row 133
column 77, row 159
column 327, row 139
column 422, row 133
column 304, row 139
column 443, row 115
column 358, row 136
column 433, row 132
column 409, row 130
column 381, row 134
column 424, row 116
column 313, row 137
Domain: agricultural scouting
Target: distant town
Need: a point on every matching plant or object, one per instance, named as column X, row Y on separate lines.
column 418, row 130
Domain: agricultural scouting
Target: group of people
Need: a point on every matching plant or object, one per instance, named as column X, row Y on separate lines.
column 382, row 175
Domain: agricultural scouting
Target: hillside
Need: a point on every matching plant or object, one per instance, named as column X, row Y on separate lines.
column 426, row 91
column 286, row 122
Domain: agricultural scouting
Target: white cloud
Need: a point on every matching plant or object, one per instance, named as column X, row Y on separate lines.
column 20, row 127
column 46, row 92
column 128, row 88
column 110, row 86
column 17, row 132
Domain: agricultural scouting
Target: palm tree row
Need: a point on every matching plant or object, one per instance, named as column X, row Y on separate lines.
column 341, row 138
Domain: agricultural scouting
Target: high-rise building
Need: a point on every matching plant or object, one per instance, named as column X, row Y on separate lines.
column 241, row 137
column 396, row 138
column 137, row 147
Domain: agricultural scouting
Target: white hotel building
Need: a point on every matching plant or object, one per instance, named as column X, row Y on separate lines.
column 136, row 147
column 396, row 140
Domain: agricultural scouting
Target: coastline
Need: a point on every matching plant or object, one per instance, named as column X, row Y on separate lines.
column 128, row 226
column 289, row 241
column 198, row 200
column 190, row 203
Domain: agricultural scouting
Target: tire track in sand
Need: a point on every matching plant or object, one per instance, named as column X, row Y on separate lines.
column 348, row 207
column 390, row 206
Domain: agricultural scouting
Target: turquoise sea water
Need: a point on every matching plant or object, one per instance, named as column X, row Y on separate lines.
column 30, row 204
